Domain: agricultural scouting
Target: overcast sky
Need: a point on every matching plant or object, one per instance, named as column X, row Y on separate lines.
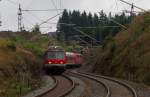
column 9, row 9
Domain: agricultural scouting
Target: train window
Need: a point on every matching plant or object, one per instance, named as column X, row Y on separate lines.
column 53, row 55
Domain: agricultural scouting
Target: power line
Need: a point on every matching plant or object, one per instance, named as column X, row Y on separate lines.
column 34, row 10
column 34, row 15
column 118, row 23
column 50, row 19
column 114, row 21
column 101, row 27
column 116, row 4
column 129, row 11
column 76, row 29
column 80, row 39
column 66, row 24
column 133, row 5
column 54, row 5
column 41, row 10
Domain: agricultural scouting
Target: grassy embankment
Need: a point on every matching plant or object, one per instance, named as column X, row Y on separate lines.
column 127, row 55
column 20, row 62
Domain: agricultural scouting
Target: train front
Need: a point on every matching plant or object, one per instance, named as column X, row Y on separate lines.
column 55, row 60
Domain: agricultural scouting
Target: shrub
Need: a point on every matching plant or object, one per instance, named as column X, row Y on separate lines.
column 11, row 45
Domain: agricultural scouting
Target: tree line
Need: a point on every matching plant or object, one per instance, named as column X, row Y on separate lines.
column 98, row 26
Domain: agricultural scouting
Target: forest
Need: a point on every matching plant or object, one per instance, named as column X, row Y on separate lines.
column 96, row 25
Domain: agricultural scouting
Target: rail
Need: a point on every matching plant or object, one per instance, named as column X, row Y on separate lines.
column 117, row 81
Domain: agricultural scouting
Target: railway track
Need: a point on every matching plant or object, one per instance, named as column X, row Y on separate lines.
column 63, row 86
column 117, row 85
column 115, row 88
column 103, row 91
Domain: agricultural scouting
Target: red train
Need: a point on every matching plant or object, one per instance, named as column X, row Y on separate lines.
column 73, row 60
column 56, row 60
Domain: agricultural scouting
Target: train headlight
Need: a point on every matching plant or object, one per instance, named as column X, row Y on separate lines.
column 61, row 62
column 50, row 62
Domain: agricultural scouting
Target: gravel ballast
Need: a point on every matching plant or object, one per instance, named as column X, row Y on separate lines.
column 47, row 85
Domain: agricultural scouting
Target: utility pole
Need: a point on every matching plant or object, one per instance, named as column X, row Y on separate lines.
column 20, row 19
column 132, row 10
column 133, row 5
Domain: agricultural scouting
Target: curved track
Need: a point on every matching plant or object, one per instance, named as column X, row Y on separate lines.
column 64, row 85
column 116, row 88
column 104, row 87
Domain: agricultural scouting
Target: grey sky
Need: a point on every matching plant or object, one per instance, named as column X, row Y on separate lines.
column 9, row 9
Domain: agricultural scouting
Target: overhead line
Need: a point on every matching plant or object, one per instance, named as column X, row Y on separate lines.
column 101, row 26
column 133, row 5
column 116, row 4
column 118, row 23
column 128, row 11
column 83, row 40
column 50, row 19
column 43, row 10
column 34, row 16
column 54, row 5
column 85, row 34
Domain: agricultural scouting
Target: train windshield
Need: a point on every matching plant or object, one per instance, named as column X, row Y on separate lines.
column 56, row 55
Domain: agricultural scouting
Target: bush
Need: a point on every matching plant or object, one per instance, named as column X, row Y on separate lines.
column 34, row 48
column 12, row 45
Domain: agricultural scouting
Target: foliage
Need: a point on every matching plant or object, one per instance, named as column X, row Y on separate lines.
column 101, row 24
column 12, row 46
column 36, row 29
column 21, row 62
column 34, row 48
column 127, row 54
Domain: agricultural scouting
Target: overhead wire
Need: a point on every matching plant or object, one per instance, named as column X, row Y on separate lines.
column 116, row 5
column 134, row 5
column 41, row 10
column 50, row 19
column 28, row 21
column 33, row 15
column 113, row 6
column 28, row 11
column 54, row 5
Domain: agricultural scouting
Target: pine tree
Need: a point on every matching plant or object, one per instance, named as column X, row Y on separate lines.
column 84, row 19
column 102, row 23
